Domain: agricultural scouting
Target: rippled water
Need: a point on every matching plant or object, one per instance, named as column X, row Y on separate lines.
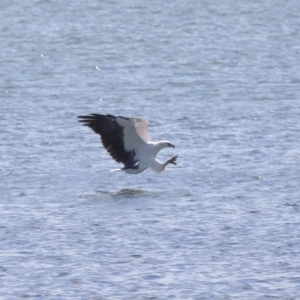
column 220, row 80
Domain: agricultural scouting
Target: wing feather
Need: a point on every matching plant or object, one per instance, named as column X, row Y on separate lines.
column 123, row 138
column 132, row 139
column 141, row 126
column 111, row 133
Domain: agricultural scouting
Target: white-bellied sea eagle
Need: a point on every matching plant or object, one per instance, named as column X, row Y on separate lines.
column 127, row 141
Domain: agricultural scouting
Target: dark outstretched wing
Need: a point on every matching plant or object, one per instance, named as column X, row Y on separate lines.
column 111, row 136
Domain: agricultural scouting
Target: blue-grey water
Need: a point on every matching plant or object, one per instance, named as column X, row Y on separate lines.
column 220, row 80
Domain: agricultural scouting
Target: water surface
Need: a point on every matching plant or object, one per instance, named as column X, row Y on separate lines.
column 220, row 81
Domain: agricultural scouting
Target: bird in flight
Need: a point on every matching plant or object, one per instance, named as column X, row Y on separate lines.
column 127, row 142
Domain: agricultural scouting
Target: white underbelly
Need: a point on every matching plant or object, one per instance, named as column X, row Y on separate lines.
column 135, row 171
